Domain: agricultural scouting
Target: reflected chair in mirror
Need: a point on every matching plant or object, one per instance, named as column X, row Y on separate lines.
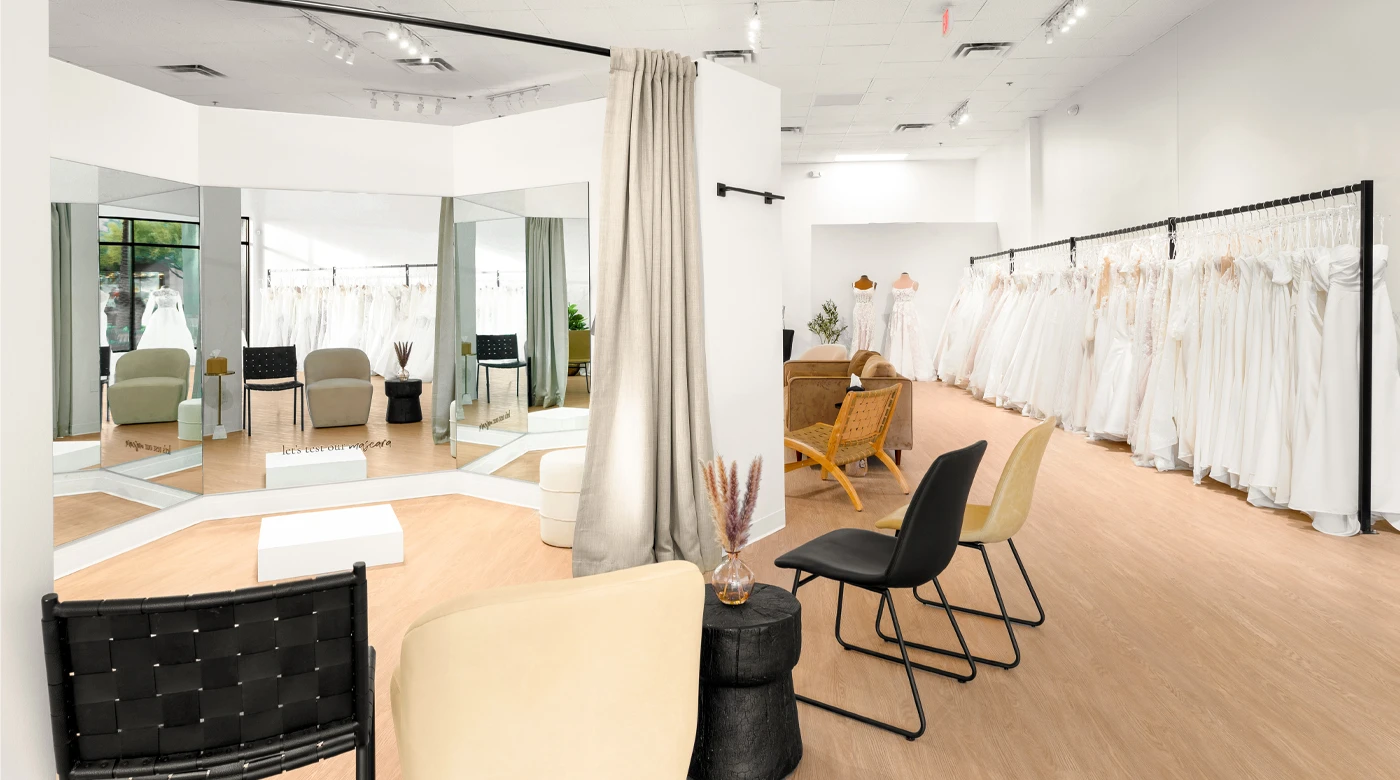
column 604, row 670
column 859, row 433
column 998, row 522
column 104, row 370
column 338, row 389
column 271, row 370
column 581, row 355
column 148, row 386
column 240, row 684
column 500, row 351
column 879, row 563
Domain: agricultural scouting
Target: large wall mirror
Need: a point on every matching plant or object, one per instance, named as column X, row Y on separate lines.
column 524, row 291
column 127, row 414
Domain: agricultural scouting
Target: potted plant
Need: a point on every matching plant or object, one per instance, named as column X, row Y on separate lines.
column 732, row 580
column 826, row 325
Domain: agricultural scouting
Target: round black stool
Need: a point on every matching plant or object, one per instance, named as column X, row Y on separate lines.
column 403, row 400
column 747, row 729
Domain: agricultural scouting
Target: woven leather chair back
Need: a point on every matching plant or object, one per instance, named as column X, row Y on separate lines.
column 502, row 347
column 865, row 417
column 180, row 683
column 270, row 362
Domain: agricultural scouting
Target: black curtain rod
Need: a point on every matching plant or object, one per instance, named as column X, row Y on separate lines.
column 768, row 197
column 434, row 24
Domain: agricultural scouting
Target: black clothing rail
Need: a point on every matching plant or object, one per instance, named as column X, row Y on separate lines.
column 1366, row 190
column 768, row 197
column 332, row 269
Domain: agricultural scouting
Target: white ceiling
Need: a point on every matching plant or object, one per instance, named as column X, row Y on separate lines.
column 890, row 53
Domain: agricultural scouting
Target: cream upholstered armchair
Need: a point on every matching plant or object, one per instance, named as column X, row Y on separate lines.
column 149, row 385
column 338, row 390
column 595, row 677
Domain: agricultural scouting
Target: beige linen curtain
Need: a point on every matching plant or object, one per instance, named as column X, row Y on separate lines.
column 643, row 498
column 445, row 344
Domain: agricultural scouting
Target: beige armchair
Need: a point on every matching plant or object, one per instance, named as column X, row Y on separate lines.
column 814, row 388
column 588, row 678
column 149, row 385
column 338, row 390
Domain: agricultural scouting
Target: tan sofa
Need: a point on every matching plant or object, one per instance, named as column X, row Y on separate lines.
column 149, row 385
column 813, row 388
column 338, row 390
column 594, row 678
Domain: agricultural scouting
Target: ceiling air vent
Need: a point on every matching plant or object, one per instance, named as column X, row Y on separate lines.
column 730, row 56
column 982, row 51
column 793, row 129
column 906, row 127
column 848, row 99
column 191, row 72
column 433, row 65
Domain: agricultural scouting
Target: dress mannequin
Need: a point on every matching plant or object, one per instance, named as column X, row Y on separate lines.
column 863, row 316
column 905, row 282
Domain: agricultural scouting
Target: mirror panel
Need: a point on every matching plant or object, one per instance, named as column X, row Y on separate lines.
column 128, row 428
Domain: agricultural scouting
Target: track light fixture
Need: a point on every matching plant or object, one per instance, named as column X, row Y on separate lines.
column 422, row 105
column 413, row 44
column 959, row 115
column 755, row 28
column 396, row 102
column 511, row 97
column 373, row 100
column 438, row 108
column 344, row 47
column 1066, row 16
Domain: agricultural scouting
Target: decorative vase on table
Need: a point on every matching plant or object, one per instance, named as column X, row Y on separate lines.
column 402, row 351
column 732, row 580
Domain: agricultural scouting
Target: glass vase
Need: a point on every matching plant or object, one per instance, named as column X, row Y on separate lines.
column 403, row 373
column 732, row 580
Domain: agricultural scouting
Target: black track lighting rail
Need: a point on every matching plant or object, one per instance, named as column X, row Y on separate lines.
column 723, row 189
column 1366, row 192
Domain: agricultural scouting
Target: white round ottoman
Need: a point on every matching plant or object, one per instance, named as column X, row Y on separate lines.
column 190, row 419
column 561, row 478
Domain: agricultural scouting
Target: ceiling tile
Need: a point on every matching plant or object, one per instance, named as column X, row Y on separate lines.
column 848, row 55
column 733, row 16
column 795, row 14
column 869, row 11
column 651, row 17
column 776, row 37
column 805, row 55
column 860, row 34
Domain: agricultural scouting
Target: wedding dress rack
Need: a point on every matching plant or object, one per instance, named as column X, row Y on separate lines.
column 404, row 266
column 1366, row 192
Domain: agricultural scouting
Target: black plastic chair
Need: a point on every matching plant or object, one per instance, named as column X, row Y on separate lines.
column 878, row 563
column 264, row 363
column 241, row 684
column 104, row 372
column 498, row 352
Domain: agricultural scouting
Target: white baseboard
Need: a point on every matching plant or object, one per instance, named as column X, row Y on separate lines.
column 160, row 465
column 151, row 494
column 95, row 548
column 768, row 525
column 493, row 461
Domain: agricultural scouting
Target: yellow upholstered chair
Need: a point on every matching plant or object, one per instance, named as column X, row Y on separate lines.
column 859, row 432
column 592, row 678
column 998, row 522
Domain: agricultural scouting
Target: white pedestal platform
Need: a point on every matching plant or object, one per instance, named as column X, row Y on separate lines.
column 312, row 543
column 76, row 455
column 560, row 418
column 315, row 468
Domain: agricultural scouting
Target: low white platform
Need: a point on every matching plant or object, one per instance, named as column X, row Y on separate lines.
column 562, row 418
column 312, row 543
column 315, row 468
column 76, row 455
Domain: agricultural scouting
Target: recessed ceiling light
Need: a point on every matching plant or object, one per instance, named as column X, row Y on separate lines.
column 870, row 157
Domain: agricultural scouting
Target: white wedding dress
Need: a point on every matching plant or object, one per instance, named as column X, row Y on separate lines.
column 164, row 323
column 903, row 344
column 863, row 320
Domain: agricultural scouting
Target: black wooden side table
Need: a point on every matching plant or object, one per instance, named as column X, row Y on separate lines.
column 747, row 729
column 403, row 400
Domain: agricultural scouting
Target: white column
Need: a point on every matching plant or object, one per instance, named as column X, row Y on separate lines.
column 26, row 388
column 221, row 298
column 86, row 300
column 1035, row 179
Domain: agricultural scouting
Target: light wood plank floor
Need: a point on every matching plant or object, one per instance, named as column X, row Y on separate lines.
column 87, row 513
column 1189, row 635
column 525, row 468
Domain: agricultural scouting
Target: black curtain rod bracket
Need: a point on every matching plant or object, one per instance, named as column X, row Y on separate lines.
column 768, row 197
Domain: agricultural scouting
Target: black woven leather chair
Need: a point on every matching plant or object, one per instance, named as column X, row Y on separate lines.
column 878, row 563
column 241, row 684
column 498, row 352
column 271, row 363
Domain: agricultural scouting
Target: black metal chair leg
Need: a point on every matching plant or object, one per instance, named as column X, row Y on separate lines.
column 248, row 409
column 965, row 655
column 1040, row 611
column 904, row 659
column 303, row 407
column 517, row 383
column 487, row 371
column 1011, row 634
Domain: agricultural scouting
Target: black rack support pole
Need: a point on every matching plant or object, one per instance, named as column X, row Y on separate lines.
column 1363, row 495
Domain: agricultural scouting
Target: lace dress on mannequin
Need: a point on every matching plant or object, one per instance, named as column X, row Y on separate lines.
column 904, row 345
column 164, row 323
column 863, row 320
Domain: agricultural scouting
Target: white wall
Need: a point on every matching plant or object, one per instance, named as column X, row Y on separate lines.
column 859, row 193
column 1246, row 100
column 1002, row 190
column 933, row 254
column 736, row 142
column 26, row 478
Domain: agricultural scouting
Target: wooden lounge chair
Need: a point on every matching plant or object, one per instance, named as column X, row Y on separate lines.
column 859, row 433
